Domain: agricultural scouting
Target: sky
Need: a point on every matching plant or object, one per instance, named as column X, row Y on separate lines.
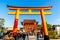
column 9, row 19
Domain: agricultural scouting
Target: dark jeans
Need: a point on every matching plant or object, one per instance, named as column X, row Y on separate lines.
column 23, row 38
column 14, row 37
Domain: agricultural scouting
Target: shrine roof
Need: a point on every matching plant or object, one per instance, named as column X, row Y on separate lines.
column 29, row 21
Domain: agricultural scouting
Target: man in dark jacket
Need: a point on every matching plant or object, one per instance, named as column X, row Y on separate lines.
column 23, row 36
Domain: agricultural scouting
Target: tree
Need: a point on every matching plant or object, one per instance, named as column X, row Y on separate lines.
column 39, row 26
column 1, row 24
column 49, row 27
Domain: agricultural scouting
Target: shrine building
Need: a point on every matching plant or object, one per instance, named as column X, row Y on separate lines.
column 29, row 25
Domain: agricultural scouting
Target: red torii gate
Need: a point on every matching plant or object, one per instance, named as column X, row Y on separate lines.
column 42, row 13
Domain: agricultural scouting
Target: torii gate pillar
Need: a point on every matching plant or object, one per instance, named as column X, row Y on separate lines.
column 44, row 25
column 16, row 22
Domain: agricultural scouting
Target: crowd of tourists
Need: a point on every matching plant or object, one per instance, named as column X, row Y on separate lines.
column 19, row 36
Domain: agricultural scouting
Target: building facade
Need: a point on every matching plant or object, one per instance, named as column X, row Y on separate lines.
column 29, row 25
column 57, row 29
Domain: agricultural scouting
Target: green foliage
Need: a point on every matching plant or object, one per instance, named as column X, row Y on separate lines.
column 52, row 34
column 2, row 24
column 49, row 27
column 39, row 25
column 2, row 28
column 2, row 21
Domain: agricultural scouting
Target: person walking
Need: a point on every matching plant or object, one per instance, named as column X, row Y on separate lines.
column 18, row 36
column 6, row 37
column 11, row 36
column 23, row 35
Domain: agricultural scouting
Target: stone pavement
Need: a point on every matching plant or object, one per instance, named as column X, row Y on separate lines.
column 0, row 39
column 54, row 39
column 35, row 38
column 32, row 38
column 50, row 39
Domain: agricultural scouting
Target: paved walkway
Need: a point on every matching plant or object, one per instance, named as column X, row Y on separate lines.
column 54, row 39
column 32, row 38
column 50, row 39
column 0, row 39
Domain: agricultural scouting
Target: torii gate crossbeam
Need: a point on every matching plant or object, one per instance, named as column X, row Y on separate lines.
column 42, row 13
